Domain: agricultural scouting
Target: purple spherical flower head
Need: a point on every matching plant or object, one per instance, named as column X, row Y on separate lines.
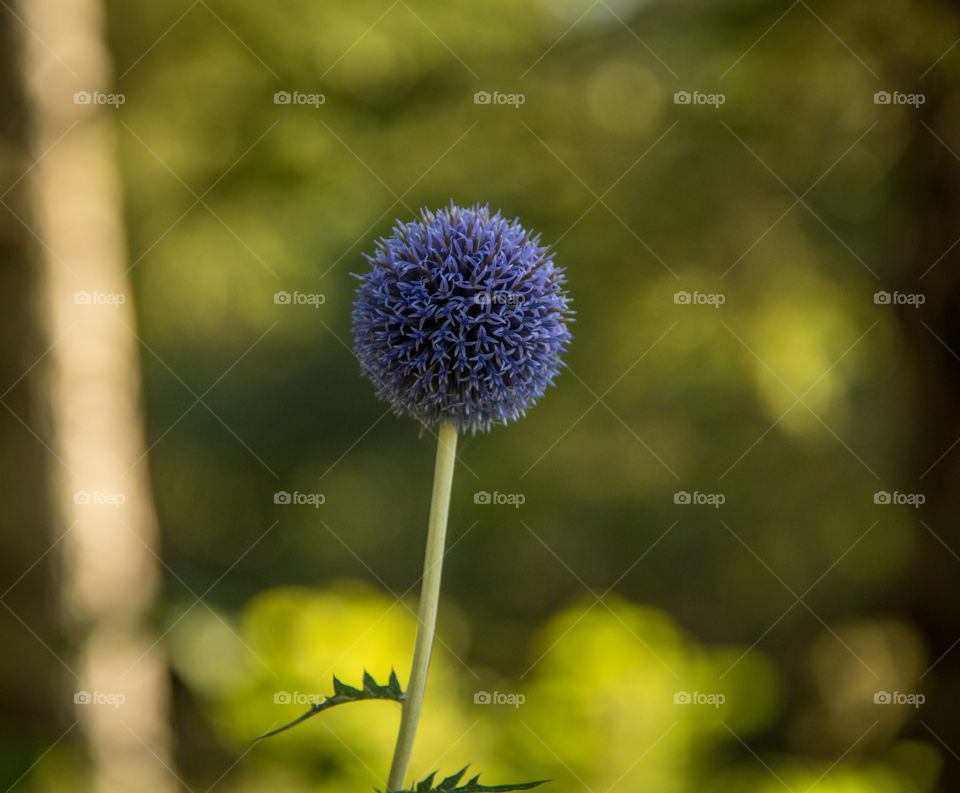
column 462, row 319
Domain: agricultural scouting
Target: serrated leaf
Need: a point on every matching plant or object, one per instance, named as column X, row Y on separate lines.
column 341, row 689
column 342, row 693
column 449, row 785
column 394, row 684
column 451, row 781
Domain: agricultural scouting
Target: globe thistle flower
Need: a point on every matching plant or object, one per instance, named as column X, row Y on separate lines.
column 460, row 322
column 462, row 318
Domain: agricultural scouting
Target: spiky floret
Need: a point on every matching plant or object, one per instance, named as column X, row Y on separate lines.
column 462, row 318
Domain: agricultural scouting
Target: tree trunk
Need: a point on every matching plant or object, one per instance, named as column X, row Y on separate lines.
column 110, row 568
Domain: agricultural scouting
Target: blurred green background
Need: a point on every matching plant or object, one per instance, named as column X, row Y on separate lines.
column 601, row 599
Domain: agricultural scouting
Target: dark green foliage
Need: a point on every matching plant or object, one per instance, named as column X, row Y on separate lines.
column 342, row 693
column 449, row 785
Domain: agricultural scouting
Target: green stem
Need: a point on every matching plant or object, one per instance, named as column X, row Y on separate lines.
column 429, row 601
